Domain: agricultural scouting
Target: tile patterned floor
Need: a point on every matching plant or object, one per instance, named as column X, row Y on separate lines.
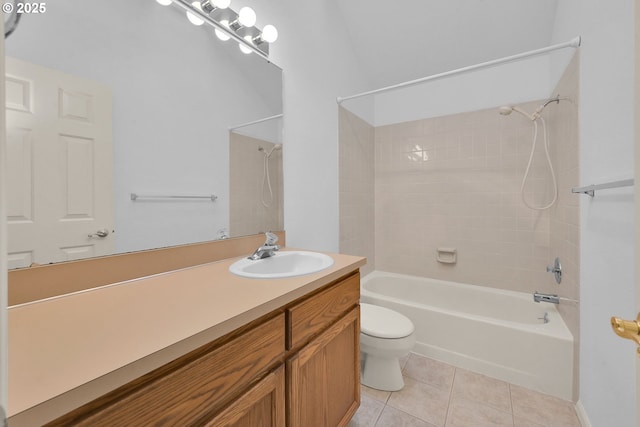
column 440, row 395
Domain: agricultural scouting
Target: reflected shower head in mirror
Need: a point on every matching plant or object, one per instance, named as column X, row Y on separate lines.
column 276, row 147
column 505, row 110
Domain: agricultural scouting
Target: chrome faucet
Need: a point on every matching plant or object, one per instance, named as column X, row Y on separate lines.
column 539, row 297
column 267, row 249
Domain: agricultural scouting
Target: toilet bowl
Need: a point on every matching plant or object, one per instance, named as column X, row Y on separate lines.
column 385, row 336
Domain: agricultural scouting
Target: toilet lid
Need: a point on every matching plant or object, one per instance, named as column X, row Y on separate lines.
column 382, row 322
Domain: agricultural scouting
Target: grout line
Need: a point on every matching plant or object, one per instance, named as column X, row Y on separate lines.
column 379, row 415
column 513, row 415
column 446, row 415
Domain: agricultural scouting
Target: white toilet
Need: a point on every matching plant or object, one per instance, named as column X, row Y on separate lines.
column 385, row 336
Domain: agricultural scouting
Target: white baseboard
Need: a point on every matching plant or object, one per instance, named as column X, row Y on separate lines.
column 582, row 415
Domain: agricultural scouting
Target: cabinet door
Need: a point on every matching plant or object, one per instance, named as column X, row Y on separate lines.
column 324, row 377
column 262, row 406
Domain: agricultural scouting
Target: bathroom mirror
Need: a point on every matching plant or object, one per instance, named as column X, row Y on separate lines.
column 165, row 94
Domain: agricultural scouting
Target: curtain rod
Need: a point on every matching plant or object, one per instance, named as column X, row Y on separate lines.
column 575, row 42
column 255, row 122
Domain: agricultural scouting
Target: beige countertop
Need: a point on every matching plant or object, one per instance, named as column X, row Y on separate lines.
column 66, row 351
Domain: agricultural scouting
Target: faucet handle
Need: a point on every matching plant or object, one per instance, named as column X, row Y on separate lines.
column 271, row 238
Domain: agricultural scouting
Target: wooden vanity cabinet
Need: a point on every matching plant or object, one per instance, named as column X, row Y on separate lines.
column 323, row 377
column 262, row 406
column 297, row 367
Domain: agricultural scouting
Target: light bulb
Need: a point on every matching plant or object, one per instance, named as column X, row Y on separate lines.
column 221, row 4
column 269, row 33
column 221, row 34
column 193, row 18
column 165, row 2
column 247, row 17
column 244, row 48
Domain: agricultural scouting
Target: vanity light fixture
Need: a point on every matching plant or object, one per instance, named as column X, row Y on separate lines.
column 243, row 48
column 220, row 34
column 246, row 18
column 269, row 34
column 210, row 5
column 229, row 24
column 192, row 17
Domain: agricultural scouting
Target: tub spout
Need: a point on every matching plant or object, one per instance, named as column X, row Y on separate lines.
column 538, row 297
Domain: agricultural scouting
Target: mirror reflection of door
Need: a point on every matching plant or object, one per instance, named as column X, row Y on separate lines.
column 59, row 165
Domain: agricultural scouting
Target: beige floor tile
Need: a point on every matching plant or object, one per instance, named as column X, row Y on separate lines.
column 380, row 395
column 480, row 388
column 368, row 412
column 421, row 400
column 392, row 417
column 430, row 399
column 521, row 422
column 429, row 371
column 467, row 413
column 543, row 409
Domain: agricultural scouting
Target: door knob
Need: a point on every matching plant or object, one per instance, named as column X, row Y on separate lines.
column 100, row 233
column 629, row 329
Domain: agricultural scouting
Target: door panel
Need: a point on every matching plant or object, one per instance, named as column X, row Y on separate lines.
column 324, row 377
column 60, row 165
column 262, row 406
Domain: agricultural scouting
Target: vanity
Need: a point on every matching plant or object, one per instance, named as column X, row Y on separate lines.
column 194, row 346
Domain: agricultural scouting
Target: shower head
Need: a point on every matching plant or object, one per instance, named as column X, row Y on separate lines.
column 276, row 147
column 505, row 110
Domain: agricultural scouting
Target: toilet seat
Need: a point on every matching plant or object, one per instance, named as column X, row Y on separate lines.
column 381, row 322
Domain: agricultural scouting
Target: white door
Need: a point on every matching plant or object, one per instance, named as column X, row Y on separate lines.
column 636, row 190
column 3, row 251
column 59, row 165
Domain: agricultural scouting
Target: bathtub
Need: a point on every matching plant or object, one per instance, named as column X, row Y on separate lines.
column 494, row 332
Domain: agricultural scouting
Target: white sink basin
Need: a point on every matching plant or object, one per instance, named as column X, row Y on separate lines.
column 282, row 264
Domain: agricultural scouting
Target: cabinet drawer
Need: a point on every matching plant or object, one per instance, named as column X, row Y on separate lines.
column 312, row 315
column 194, row 389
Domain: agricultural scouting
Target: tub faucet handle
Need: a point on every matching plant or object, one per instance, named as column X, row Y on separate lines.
column 556, row 269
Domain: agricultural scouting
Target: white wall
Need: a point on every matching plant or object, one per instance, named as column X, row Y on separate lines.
column 318, row 66
column 607, row 368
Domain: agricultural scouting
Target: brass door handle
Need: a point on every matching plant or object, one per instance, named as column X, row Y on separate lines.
column 629, row 329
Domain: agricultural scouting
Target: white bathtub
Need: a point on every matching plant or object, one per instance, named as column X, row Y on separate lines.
column 490, row 331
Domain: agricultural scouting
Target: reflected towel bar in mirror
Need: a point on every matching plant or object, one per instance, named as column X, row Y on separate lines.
column 135, row 196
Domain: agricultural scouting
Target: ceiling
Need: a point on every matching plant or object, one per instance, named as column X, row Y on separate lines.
column 409, row 39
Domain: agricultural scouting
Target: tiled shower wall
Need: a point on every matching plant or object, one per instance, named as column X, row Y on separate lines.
column 454, row 182
column 357, row 180
column 247, row 214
